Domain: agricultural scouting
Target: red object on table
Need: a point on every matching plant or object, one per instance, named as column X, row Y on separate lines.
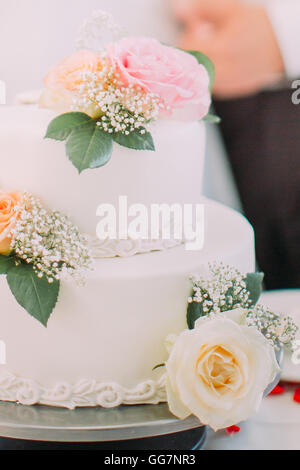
column 278, row 390
column 232, row 430
column 296, row 396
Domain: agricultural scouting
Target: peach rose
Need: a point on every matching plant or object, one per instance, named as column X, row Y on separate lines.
column 10, row 204
column 63, row 81
column 174, row 75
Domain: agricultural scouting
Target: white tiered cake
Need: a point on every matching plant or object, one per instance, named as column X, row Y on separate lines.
column 104, row 338
column 103, row 303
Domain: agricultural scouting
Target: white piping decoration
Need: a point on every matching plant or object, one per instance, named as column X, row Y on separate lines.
column 84, row 393
column 124, row 248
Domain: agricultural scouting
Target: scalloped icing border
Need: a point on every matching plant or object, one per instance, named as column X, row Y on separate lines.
column 126, row 248
column 84, row 393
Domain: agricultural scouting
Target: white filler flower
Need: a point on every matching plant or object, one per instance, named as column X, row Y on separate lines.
column 219, row 370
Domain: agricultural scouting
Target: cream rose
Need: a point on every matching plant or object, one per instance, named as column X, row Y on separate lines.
column 219, row 370
column 10, row 204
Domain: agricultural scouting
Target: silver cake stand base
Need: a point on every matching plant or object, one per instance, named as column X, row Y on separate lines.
column 126, row 427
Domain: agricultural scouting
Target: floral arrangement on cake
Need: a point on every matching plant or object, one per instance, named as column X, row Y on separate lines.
column 38, row 248
column 220, row 367
column 112, row 96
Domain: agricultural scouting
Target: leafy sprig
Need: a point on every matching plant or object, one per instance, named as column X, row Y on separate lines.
column 88, row 146
column 46, row 247
column 209, row 66
column 34, row 294
column 224, row 289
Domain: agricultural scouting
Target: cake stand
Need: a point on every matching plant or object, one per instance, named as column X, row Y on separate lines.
column 139, row 427
column 125, row 427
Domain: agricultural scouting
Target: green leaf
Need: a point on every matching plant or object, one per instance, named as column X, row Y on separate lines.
column 254, row 285
column 194, row 311
column 158, row 366
column 35, row 295
column 6, row 263
column 212, row 119
column 135, row 140
column 62, row 126
column 207, row 63
column 89, row 147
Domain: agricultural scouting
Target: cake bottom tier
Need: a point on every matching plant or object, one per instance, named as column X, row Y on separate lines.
column 104, row 339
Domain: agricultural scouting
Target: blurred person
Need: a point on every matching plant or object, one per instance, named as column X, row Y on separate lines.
column 255, row 47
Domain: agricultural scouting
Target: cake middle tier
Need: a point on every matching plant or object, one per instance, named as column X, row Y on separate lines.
column 113, row 329
column 170, row 174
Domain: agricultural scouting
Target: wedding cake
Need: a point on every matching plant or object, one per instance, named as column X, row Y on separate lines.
column 130, row 120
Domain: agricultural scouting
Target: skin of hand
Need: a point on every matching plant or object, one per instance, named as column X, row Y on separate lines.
column 238, row 38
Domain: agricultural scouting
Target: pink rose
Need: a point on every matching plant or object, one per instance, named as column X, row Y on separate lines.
column 174, row 75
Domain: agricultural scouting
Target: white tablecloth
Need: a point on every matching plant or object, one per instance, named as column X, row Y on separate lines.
column 275, row 427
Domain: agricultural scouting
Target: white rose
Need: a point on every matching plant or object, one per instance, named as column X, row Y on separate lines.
column 219, row 370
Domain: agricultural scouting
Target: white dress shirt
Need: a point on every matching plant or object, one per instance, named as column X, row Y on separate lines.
column 285, row 18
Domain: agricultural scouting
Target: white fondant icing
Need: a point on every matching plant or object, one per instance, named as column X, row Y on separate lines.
column 171, row 174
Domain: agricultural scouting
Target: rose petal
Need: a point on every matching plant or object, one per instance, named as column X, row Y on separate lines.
column 296, row 396
column 232, row 430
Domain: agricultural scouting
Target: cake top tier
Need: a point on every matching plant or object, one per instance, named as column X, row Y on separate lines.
column 171, row 174
column 113, row 96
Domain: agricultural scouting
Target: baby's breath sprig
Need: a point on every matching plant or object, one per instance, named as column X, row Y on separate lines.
column 223, row 289
column 99, row 30
column 119, row 109
column 279, row 330
column 50, row 242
